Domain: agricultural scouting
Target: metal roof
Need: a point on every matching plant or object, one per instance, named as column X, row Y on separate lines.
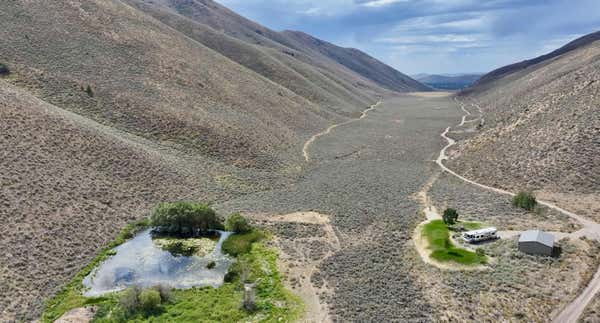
column 537, row 236
column 481, row 231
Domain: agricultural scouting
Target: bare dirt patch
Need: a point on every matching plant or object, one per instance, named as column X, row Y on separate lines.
column 301, row 253
column 78, row 315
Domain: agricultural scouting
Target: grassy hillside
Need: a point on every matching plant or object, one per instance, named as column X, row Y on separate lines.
column 108, row 107
column 277, row 63
column 67, row 185
column 541, row 129
column 153, row 81
column 356, row 61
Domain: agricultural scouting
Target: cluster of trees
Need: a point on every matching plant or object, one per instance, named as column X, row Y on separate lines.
column 190, row 219
column 184, row 219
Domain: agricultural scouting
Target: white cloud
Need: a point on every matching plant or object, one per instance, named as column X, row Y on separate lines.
column 380, row 3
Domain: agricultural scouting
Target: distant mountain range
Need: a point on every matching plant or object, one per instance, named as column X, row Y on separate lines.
column 447, row 81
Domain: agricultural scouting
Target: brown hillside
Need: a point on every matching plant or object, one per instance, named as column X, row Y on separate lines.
column 358, row 62
column 151, row 80
column 277, row 63
column 113, row 106
column 542, row 126
column 68, row 185
column 351, row 65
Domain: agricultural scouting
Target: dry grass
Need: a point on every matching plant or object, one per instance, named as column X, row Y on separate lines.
column 592, row 312
column 541, row 128
column 517, row 287
column 67, row 187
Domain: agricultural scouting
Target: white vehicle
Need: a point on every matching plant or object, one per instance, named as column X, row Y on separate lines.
column 480, row 235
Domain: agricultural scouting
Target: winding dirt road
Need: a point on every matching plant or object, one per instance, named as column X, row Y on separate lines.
column 328, row 130
column 591, row 229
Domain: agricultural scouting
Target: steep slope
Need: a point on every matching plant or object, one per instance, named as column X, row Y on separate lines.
column 349, row 64
column 357, row 61
column 512, row 68
column 541, row 128
column 67, row 186
column 153, row 81
column 113, row 106
column 278, row 63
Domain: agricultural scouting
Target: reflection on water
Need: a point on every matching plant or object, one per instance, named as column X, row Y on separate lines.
column 140, row 262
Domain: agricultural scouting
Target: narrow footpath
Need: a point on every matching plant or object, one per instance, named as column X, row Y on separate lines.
column 328, row 130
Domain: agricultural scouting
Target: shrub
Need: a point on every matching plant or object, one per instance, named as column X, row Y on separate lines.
column 129, row 300
column 237, row 223
column 524, row 200
column 480, row 252
column 450, row 216
column 165, row 293
column 184, row 218
column 4, row 69
column 241, row 243
column 89, row 91
column 149, row 300
column 211, row 265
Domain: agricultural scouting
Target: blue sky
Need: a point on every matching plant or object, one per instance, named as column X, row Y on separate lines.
column 433, row 36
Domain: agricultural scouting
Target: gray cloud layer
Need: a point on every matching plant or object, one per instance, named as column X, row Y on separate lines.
column 433, row 36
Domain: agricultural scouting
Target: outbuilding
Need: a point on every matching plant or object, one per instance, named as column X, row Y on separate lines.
column 536, row 242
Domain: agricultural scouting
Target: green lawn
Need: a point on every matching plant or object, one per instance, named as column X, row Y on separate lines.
column 442, row 249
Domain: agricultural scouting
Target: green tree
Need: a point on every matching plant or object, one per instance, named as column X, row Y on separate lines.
column 184, row 218
column 149, row 300
column 524, row 200
column 450, row 216
column 237, row 223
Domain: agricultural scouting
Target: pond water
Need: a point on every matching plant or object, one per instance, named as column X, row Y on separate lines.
column 141, row 262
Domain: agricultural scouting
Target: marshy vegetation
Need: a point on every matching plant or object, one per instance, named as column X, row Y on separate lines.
column 252, row 288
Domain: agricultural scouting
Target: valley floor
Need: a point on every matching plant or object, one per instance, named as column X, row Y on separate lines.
column 365, row 177
column 344, row 224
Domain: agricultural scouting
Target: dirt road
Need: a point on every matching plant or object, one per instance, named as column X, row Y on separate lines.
column 591, row 229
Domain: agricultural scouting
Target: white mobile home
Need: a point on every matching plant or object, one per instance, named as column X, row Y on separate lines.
column 480, row 235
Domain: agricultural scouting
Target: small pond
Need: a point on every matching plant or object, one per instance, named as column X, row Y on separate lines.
column 141, row 262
